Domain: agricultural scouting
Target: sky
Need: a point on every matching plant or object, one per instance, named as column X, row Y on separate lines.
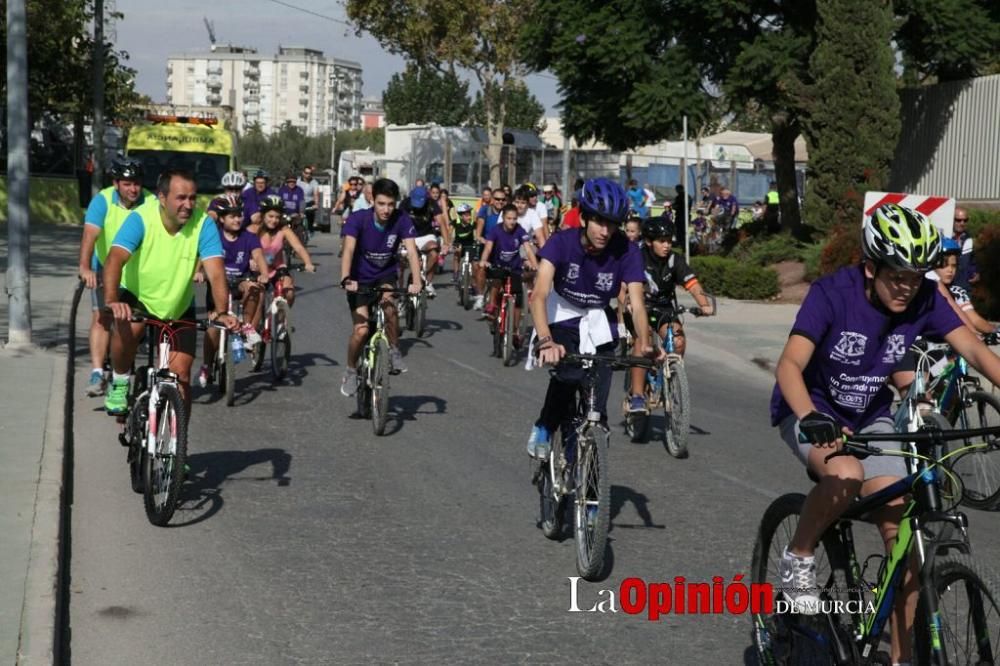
column 153, row 29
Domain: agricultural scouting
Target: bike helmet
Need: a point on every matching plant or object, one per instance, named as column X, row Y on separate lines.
column 233, row 179
column 272, row 202
column 260, row 173
column 530, row 189
column 950, row 246
column 463, row 208
column 901, row 238
column 229, row 204
column 658, row 228
column 123, row 168
column 605, row 198
column 418, row 197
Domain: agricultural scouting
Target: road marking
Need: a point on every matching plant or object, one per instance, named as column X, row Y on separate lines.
column 485, row 375
column 770, row 494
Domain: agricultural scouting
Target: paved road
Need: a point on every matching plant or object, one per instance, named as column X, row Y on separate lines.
column 305, row 539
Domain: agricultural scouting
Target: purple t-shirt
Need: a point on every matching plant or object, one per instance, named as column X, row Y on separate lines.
column 591, row 280
column 238, row 252
column 858, row 346
column 507, row 247
column 728, row 204
column 376, row 255
column 294, row 198
column 251, row 201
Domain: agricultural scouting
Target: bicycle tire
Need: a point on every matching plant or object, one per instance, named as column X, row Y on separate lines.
column 281, row 343
column 775, row 641
column 229, row 370
column 409, row 307
column 420, row 316
column 979, row 470
column 136, row 451
column 551, row 508
column 592, row 507
column 380, row 386
column 163, row 472
column 257, row 356
column 363, row 394
column 676, row 411
column 982, row 590
column 508, row 355
column 467, row 287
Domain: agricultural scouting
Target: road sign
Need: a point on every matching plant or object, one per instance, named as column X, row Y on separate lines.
column 941, row 210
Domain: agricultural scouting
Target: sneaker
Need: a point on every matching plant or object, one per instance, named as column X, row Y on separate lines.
column 97, row 384
column 203, row 376
column 454, row 277
column 478, row 304
column 637, row 405
column 251, row 335
column 349, row 384
column 798, row 581
column 396, row 361
column 539, row 443
column 430, row 290
column 517, row 341
column 116, row 399
column 490, row 311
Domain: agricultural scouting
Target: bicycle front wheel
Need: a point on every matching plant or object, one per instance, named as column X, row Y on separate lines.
column 507, row 347
column 592, row 515
column 466, row 288
column 968, row 614
column 281, row 342
column 979, row 470
column 676, row 411
column 229, row 369
column 380, row 386
column 420, row 316
column 163, row 470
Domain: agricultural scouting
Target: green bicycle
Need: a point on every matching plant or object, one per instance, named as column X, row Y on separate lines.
column 374, row 367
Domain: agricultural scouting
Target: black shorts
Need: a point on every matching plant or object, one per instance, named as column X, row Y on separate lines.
column 234, row 287
column 127, row 297
column 516, row 285
column 356, row 300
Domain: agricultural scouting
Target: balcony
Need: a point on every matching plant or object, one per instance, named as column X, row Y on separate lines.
column 251, row 85
column 214, row 83
column 213, row 98
column 251, row 71
column 303, row 114
column 251, row 97
column 251, row 109
column 304, row 73
column 215, row 70
column 304, row 87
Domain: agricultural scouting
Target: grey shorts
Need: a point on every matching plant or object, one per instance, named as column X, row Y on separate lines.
column 873, row 465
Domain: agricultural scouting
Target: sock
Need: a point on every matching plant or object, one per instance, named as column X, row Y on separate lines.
column 801, row 558
column 100, row 370
column 119, row 377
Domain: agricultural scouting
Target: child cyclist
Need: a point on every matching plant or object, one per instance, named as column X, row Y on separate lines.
column 665, row 271
column 503, row 251
column 832, row 379
column 956, row 295
column 464, row 232
column 240, row 246
column 273, row 236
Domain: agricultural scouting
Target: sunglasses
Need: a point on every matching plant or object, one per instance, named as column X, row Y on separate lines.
column 961, row 219
column 499, row 198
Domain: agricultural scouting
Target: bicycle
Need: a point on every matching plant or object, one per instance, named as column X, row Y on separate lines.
column 276, row 332
column 851, row 637
column 579, row 469
column 156, row 421
column 666, row 387
column 294, row 221
column 223, row 371
column 502, row 328
column 373, row 366
column 470, row 254
column 413, row 308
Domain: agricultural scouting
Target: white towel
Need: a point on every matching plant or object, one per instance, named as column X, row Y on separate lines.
column 594, row 327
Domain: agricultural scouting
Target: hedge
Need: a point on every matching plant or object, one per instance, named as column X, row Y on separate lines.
column 728, row 277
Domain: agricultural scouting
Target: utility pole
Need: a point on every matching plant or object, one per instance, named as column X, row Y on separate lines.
column 98, row 126
column 18, row 233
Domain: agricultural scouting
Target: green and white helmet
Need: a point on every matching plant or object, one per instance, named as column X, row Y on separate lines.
column 901, row 238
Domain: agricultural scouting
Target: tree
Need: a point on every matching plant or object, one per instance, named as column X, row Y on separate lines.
column 522, row 109
column 478, row 35
column 853, row 110
column 289, row 149
column 425, row 95
column 947, row 40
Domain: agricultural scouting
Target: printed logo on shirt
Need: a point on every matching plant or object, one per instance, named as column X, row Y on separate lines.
column 895, row 348
column 605, row 281
column 573, row 272
column 851, row 346
column 390, row 240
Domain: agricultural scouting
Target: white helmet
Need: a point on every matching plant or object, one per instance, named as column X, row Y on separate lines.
column 233, row 179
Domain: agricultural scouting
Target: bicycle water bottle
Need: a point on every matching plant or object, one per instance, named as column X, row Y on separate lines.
column 239, row 351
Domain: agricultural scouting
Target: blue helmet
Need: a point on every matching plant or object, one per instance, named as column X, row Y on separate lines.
column 605, row 198
column 418, row 197
column 950, row 246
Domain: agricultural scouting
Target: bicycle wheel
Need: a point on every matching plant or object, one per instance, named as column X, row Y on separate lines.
column 968, row 612
column 797, row 639
column 281, row 342
column 136, row 451
column 163, row 471
column 380, row 386
column 363, row 394
column 466, row 287
column 420, row 316
column 592, row 515
column 507, row 348
column 257, row 355
column 548, row 475
column 979, row 470
column 228, row 369
column 676, row 411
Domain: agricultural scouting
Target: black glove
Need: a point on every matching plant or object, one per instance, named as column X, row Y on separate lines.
column 818, row 428
column 992, row 338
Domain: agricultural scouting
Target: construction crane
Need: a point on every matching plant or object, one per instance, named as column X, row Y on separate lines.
column 211, row 31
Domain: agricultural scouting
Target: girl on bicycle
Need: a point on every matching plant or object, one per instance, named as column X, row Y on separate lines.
column 273, row 236
column 464, row 232
column 503, row 251
column 832, row 379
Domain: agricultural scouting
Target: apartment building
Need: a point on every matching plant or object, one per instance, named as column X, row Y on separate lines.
column 297, row 85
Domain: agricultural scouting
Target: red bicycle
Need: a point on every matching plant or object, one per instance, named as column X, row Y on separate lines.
column 276, row 332
column 504, row 329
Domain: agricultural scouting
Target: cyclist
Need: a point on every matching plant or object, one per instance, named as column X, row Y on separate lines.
column 527, row 217
column 371, row 260
column 273, row 235
column 957, row 296
column 364, row 199
column 580, row 272
column 503, row 250
column 665, row 271
column 553, row 204
column 464, row 233
column 232, row 184
column 851, row 331
column 427, row 218
column 104, row 217
column 487, row 218
column 541, row 210
column 150, row 267
column 240, row 247
column 633, row 229
column 312, row 196
column 293, row 196
column 483, row 201
column 252, row 198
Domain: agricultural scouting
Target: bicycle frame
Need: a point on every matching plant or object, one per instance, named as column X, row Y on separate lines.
column 156, row 376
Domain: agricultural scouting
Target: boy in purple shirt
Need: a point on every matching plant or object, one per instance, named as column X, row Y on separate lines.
column 372, row 238
column 853, row 328
column 503, row 251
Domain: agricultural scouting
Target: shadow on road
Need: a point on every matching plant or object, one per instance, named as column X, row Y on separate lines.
column 407, row 407
column 622, row 495
column 201, row 497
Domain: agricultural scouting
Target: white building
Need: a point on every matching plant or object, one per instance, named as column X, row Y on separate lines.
column 298, row 85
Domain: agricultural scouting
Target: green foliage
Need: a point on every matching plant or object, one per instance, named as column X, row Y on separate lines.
column 723, row 276
column 289, row 149
column 424, row 95
column 852, row 110
column 766, row 250
column 811, row 256
column 948, row 40
column 979, row 219
column 522, row 110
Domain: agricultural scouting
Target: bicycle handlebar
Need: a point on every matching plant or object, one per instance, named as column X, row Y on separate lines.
column 613, row 361
column 861, row 443
column 370, row 291
column 140, row 317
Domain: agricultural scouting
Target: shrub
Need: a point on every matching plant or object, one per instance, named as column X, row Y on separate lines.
column 985, row 291
column 842, row 248
column 810, row 256
column 723, row 276
column 980, row 219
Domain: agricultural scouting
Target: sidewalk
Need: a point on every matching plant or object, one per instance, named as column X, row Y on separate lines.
column 32, row 437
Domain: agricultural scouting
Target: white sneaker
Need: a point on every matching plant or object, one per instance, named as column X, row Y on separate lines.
column 251, row 336
column 349, row 384
column 478, row 304
column 430, row 290
column 798, row 582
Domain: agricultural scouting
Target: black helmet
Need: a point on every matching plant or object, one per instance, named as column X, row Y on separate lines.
column 260, row 173
column 272, row 202
column 658, row 228
column 124, row 168
column 229, row 204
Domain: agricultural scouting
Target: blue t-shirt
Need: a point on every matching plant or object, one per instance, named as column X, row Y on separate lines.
column 130, row 236
column 490, row 217
column 376, row 255
column 97, row 213
column 858, row 346
column 506, row 251
column 637, row 198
